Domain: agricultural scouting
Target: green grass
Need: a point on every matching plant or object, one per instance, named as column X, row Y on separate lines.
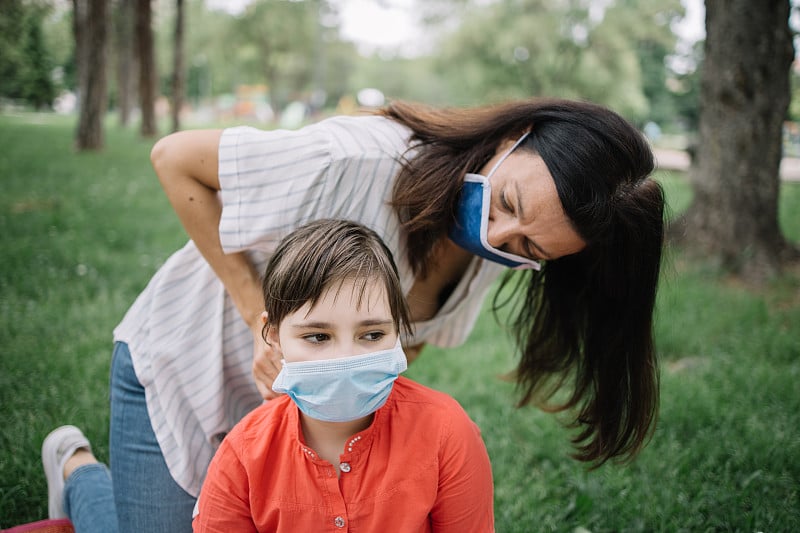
column 82, row 234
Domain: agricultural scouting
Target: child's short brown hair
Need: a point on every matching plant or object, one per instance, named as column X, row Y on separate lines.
column 316, row 255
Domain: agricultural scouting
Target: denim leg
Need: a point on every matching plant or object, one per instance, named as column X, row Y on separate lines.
column 89, row 500
column 146, row 496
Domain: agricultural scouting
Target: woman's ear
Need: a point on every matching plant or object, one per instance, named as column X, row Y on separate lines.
column 505, row 145
column 509, row 142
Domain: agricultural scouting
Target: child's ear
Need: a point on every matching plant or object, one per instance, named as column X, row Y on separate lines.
column 270, row 332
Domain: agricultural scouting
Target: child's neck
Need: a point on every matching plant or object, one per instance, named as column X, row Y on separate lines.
column 328, row 439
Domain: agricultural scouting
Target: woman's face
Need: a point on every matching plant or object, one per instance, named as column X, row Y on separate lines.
column 526, row 216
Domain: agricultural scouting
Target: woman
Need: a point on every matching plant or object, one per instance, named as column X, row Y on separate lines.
column 550, row 181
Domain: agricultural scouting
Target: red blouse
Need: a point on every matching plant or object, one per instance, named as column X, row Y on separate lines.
column 421, row 466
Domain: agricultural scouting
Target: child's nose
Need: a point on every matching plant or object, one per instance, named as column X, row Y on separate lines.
column 347, row 348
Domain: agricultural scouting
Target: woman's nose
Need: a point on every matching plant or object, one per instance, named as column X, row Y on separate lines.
column 500, row 232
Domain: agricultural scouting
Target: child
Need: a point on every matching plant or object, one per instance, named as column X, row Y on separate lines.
column 350, row 446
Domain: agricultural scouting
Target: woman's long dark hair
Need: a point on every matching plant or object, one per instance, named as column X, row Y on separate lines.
column 586, row 318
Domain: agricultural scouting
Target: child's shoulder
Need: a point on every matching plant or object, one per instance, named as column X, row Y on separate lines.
column 430, row 414
column 407, row 391
column 268, row 417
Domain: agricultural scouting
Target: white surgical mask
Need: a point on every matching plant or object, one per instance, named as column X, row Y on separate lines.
column 342, row 389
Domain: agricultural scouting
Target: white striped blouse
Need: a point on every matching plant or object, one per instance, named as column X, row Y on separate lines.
column 191, row 350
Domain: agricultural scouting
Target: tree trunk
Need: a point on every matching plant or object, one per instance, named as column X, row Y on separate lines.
column 127, row 71
column 744, row 97
column 80, row 11
column 91, row 27
column 147, row 67
column 178, row 71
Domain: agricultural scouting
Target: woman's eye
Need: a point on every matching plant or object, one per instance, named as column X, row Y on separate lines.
column 531, row 251
column 504, row 202
column 316, row 338
column 374, row 335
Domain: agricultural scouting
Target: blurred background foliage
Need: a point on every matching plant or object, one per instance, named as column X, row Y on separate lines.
column 621, row 53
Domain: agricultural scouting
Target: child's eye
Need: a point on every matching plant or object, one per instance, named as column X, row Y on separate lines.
column 374, row 335
column 316, row 338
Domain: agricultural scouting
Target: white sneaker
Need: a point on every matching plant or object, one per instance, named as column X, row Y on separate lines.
column 57, row 448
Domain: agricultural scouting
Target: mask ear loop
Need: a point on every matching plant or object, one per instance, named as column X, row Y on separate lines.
column 535, row 265
column 508, row 153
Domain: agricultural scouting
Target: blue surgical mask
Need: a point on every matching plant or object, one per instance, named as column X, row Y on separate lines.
column 471, row 229
column 342, row 389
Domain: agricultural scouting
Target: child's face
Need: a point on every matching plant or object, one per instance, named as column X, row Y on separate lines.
column 337, row 326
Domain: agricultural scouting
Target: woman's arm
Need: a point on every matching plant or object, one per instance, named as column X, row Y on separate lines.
column 187, row 166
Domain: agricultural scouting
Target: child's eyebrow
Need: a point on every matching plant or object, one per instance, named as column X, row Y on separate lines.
column 327, row 325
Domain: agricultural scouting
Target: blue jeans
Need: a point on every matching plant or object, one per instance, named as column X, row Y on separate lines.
column 146, row 498
column 88, row 500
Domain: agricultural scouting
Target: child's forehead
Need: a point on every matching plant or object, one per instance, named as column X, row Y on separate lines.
column 350, row 292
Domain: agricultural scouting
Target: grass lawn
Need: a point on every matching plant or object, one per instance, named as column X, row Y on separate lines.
column 81, row 235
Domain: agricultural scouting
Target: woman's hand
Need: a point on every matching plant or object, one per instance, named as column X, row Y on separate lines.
column 266, row 364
